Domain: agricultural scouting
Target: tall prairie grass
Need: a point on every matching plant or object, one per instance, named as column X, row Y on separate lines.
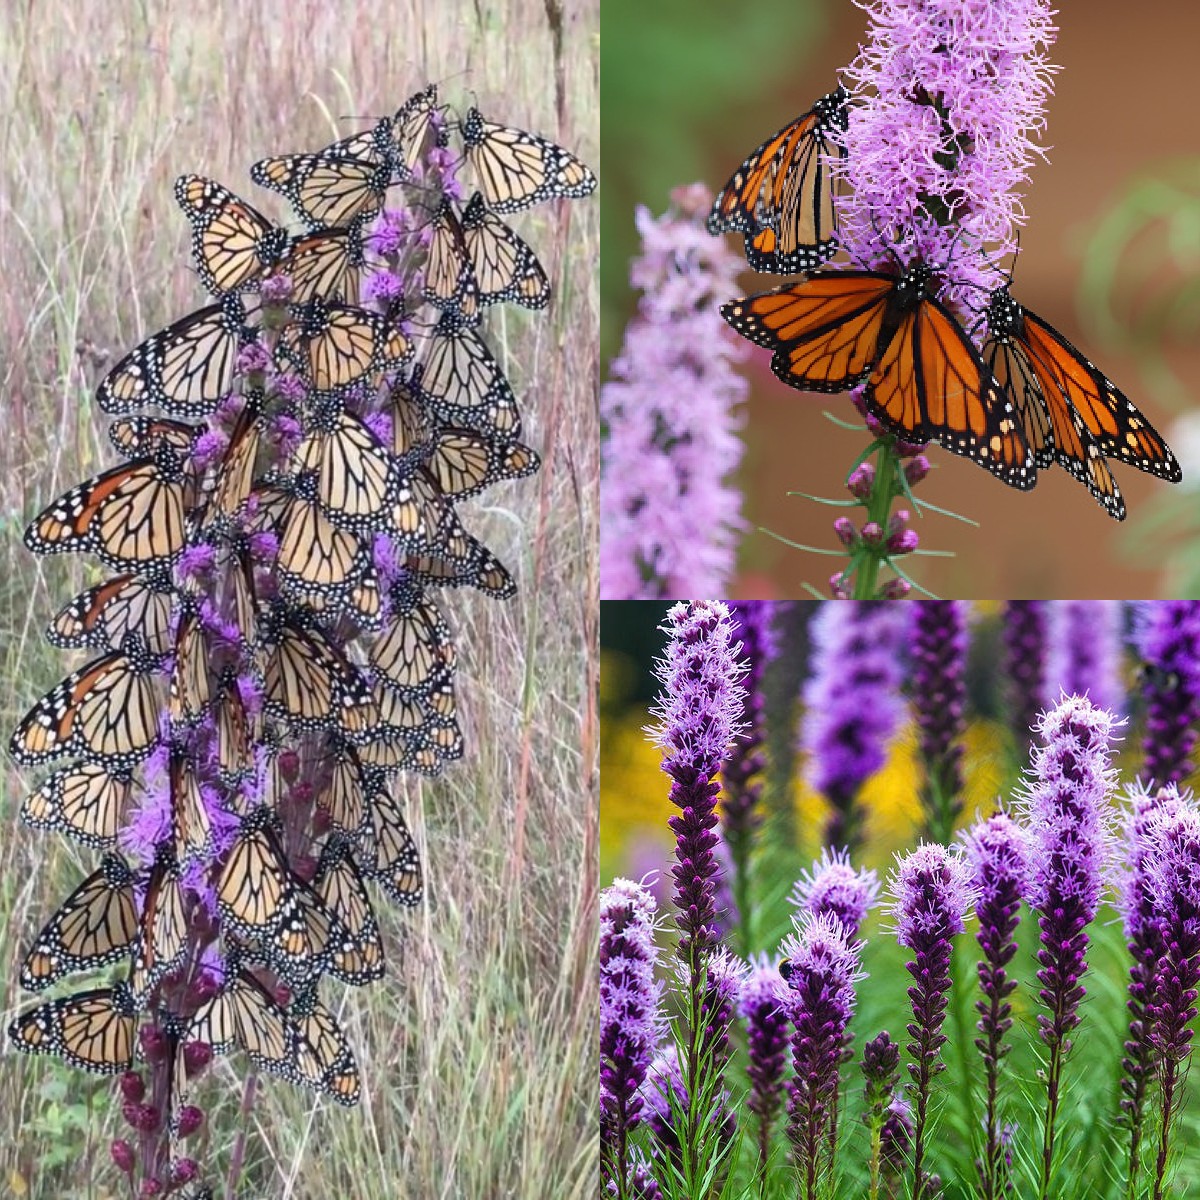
column 477, row 1050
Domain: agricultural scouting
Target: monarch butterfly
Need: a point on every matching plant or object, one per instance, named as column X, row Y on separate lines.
column 449, row 277
column 235, row 479
column 232, row 242
column 140, row 437
column 346, row 181
column 130, row 516
column 411, row 127
column 92, row 1030
column 463, row 462
column 191, row 810
column 504, row 266
column 1071, row 413
column 106, row 613
column 413, row 426
column 256, row 885
column 307, row 680
column 394, row 751
column 85, row 801
column 340, row 886
column 395, row 866
column 329, row 1066
column 184, row 369
column 422, row 518
column 516, row 169
column 335, row 345
column 463, row 562
column 354, row 471
column 781, row 199
column 233, row 734
column 924, row 379
column 414, row 648
column 462, row 383
column 108, row 712
column 162, row 930
column 340, row 795
column 95, row 925
column 191, row 687
column 328, row 264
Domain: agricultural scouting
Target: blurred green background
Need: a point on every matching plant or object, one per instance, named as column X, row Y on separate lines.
column 1110, row 256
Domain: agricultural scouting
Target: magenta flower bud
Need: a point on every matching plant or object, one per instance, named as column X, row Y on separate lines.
column 861, row 480
column 133, row 1086
column 184, row 1170
column 197, row 1055
column 837, row 586
column 895, row 589
column 150, row 1188
column 872, row 533
column 847, row 534
column 122, row 1155
column 899, row 521
column 289, row 765
column 904, row 542
column 190, row 1119
column 156, row 1046
column 916, row 469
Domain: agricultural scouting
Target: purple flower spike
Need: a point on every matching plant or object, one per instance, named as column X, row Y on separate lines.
column 722, row 990
column 835, row 887
column 881, row 1072
column 1067, row 814
column 699, row 707
column 629, row 1023
column 852, row 703
column 997, row 852
column 1175, row 891
column 669, row 519
column 1167, row 636
column 939, row 696
column 931, row 892
column 1136, row 900
column 1024, row 635
column 953, row 95
column 764, row 1008
column 823, row 967
column 1084, row 653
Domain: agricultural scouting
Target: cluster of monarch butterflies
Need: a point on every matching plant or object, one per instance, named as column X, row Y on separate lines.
column 271, row 650
column 1023, row 400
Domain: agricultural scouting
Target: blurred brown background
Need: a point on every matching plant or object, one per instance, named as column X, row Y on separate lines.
column 1123, row 108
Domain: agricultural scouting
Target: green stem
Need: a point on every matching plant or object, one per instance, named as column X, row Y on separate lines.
column 879, row 508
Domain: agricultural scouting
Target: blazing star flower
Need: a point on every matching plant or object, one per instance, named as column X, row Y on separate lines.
column 881, row 1071
column 1167, row 636
column 938, row 641
column 629, row 1020
column 723, row 984
column 931, row 894
column 997, row 853
column 1024, row 636
column 669, row 520
column 852, row 706
column 1137, row 904
column 1067, row 814
column 823, row 967
column 1084, row 653
column 764, row 1008
column 951, row 97
column 835, row 887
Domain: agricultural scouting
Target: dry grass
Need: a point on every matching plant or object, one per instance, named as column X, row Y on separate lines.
column 478, row 1049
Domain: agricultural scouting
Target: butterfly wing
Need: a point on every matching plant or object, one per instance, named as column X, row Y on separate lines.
column 504, row 266
column 85, row 801
column 92, row 1030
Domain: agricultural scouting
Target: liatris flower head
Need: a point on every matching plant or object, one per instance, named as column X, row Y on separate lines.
column 852, row 705
column 629, row 997
column 951, row 96
column 669, row 518
column 1084, row 652
column 1167, row 636
column 1024, row 637
column 832, row 885
column 932, row 894
column 997, row 852
column 764, row 1008
column 723, row 982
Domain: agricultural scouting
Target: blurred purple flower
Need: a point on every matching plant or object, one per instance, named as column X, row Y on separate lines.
column 1084, row 653
column 823, row 964
column 669, row 520
column 938, row 639
column 752, row 626
column 951, row 94
column 931, row 894
column 852, row 705
column 1024, row 637
column 997, row 854
column 833, row 886
column 1067, row 814
column 1167, row 637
